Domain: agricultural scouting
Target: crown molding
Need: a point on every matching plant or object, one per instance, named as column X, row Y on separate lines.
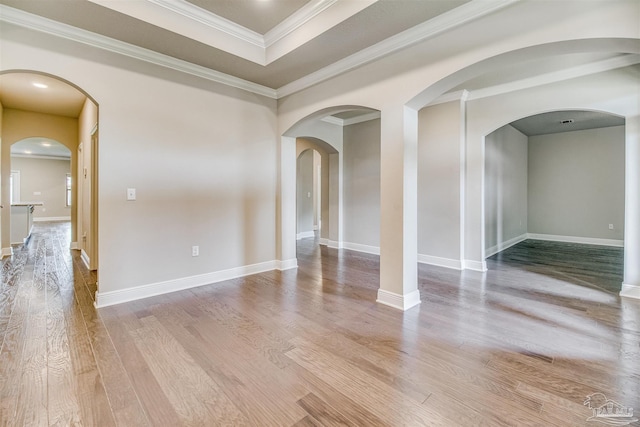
column 296, row 20
column 40, row 156
column 553, row 77
column 429, row 29
column 353, row 120
column 333, row 120
column 191, row 11
column 48, row 26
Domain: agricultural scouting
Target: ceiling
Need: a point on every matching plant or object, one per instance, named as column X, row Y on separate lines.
column 565, row 121
column 273, row 45
column 40, row 147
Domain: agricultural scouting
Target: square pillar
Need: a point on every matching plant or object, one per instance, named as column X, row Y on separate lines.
column 631, row 283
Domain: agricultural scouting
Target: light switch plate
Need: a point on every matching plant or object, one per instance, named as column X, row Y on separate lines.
column 131, row 193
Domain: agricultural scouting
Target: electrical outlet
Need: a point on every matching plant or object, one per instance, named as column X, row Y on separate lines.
column 131, row 193
column 610, row 226
column 195, row 250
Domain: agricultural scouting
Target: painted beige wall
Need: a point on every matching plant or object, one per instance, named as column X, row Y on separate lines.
column 362, row 183
column 576, row 183
column 439, row 145
column 47, row 177
column 18, row 125
column 505, row 187
column 87, row 122
column 305, row 192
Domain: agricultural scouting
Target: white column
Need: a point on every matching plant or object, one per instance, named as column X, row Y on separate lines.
column 398, row 210
column 631, row 283
column 286, row 205
column 335, row 200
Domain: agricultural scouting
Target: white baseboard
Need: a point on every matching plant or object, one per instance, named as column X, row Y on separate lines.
column 6, row 252
column 305, row 234
column 504, row 245
column 85, row 258
column 324, row 242
column 52, row 218
column 315, row 228
column 480, row 266
column 630, row 291
column 455, row 264
column 334, row 244
column 375, row 250
column 401, row 302
column 574, row 239
column 286, row 264
column 74, row 246
column 104, row 299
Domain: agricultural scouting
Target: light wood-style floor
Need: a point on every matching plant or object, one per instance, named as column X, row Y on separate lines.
column 523, row 345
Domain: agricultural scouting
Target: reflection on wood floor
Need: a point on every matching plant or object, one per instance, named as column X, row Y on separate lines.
column 524, row 344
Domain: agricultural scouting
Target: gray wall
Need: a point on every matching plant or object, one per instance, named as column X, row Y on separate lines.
column 305, row 192
column 505, row 203
column 362, row 183
column 439, row 181
column 576, row 183
column 47, row 177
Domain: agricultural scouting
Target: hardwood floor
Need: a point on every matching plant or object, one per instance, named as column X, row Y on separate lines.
column 524, row 344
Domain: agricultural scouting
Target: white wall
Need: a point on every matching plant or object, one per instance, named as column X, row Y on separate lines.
column 576, row 183
column 362, row 183
column 47, row 177
column 203, row 175
column 305, row 193
column 439, row 191
column 505, row 188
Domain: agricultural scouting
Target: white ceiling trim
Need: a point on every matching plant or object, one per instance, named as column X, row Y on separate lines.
column 48, row 26
column 447, row 21
column 556, row 76
column 353, row 120
column 41, row 156
column 186, row 19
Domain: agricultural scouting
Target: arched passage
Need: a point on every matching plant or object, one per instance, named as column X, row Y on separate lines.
column 610, row 91
column 41, row 105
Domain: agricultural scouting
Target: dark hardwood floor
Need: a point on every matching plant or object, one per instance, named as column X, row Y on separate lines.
column 524, row 344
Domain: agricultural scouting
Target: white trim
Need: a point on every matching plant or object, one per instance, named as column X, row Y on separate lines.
column 401, row 302
column 480, row 266
column 375, row 250
column 459, row 95
column 305, row 235
column 48, row 26
column 296, row 20
column 504, row 245
column 334, row 244
column 40, row 156
column 52, row 218
column 85, row 258
column 74, row 246
column 455, row 264
column 431, row 28
column 286, row 264
column 104, row 299
column 6, row 252
column 575, row 239
column 324, row 242
column 333, row 120
column 630, row 291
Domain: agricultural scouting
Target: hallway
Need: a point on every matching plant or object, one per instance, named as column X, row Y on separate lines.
column 307, row 347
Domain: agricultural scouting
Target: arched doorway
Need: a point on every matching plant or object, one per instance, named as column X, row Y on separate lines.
column 38, row 105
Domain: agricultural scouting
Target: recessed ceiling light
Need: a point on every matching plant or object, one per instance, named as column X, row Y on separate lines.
column 40, row 85
column 46, row 144
column 27, row 152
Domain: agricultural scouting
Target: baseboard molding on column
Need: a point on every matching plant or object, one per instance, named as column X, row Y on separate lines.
column 574, row 239
column 6, row 252
column 304, row 235
column 480, row 266
column 286, row 264
column 74, row 246
column 630, row 291
column 333, row 244
column 85, row 258
column 401, row 302
column 324, row 242
column 361, row 248
column 504, row 245
column 437, row 261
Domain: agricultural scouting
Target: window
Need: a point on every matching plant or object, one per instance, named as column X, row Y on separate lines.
column 68, row 190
